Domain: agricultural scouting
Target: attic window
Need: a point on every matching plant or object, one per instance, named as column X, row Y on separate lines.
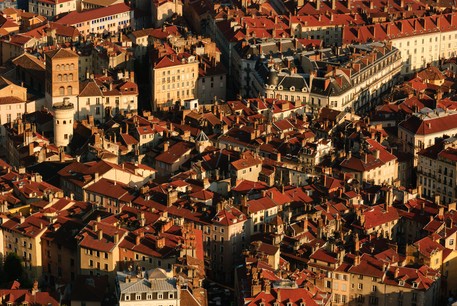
column 292, row 88
column 415, row 285
column 401, row 283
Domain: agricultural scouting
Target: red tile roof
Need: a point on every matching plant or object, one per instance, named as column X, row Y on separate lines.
column 441, row 124
column 75, row 17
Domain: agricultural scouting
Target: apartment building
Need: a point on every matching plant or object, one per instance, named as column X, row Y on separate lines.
column 375, row 165
column 353, row 77
column 98, row 248
column 101, row 20
column 13, row 102
column 226, row 239
column 150, row 288
column 420, row 130
column 50, row 9
column 162, row 10
column 174, row 78
column 248, row 167
column 75, row 177
column 421, row 40
column 437, row 172
column 22, row 236
column 170, row 161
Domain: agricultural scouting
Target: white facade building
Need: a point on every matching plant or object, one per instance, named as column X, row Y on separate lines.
column 50, row 9
column 151, row 288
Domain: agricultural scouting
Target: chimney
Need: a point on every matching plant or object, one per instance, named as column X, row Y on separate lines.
column 160, row 243
column 437, row 200
column 137, row 239
column 357, row 260
column 166, row 144
column 95, row 226
column 142, row 219
column 116, row 238
column 376, row 154
column 31, row 147
column 100, row 234
column 356, row 243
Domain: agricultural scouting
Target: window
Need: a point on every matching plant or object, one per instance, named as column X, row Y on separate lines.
column 360, row 286
column 69, row 90
column 138, row 297
column 61, row 91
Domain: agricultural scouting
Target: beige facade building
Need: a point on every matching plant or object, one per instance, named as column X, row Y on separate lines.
column 420, row 130
column 248, row 167
column 161, row 10
column 13, row 100
column 174, row 78
column 23, row 236
column 376, row 165
column 62, row 76
column 437, row 171
column 98, row 248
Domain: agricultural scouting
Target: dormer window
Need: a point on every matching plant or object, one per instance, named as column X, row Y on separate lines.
column 415, row 285
column 280, row 87
column 401, row 283
column 292, row 88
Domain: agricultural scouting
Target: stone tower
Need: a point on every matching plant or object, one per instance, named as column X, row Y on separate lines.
column 62, row 77
column 63, row 122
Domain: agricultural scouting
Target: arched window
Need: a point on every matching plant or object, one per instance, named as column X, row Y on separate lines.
column 62, row 91
column 65, row 122
column 59, row 78
column 70, row 77
column 69, row 90
column 57, row 121
column 65, row 78
column 58, row 67
column 67, row 67
column 72, row 66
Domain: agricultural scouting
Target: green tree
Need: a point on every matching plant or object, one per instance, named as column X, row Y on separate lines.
column 12, row 268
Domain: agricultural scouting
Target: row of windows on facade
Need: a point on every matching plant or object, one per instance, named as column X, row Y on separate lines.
column 69, row 91
column 65, row 67
column 65, row 77
column 8, row 117
column 148, row 296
